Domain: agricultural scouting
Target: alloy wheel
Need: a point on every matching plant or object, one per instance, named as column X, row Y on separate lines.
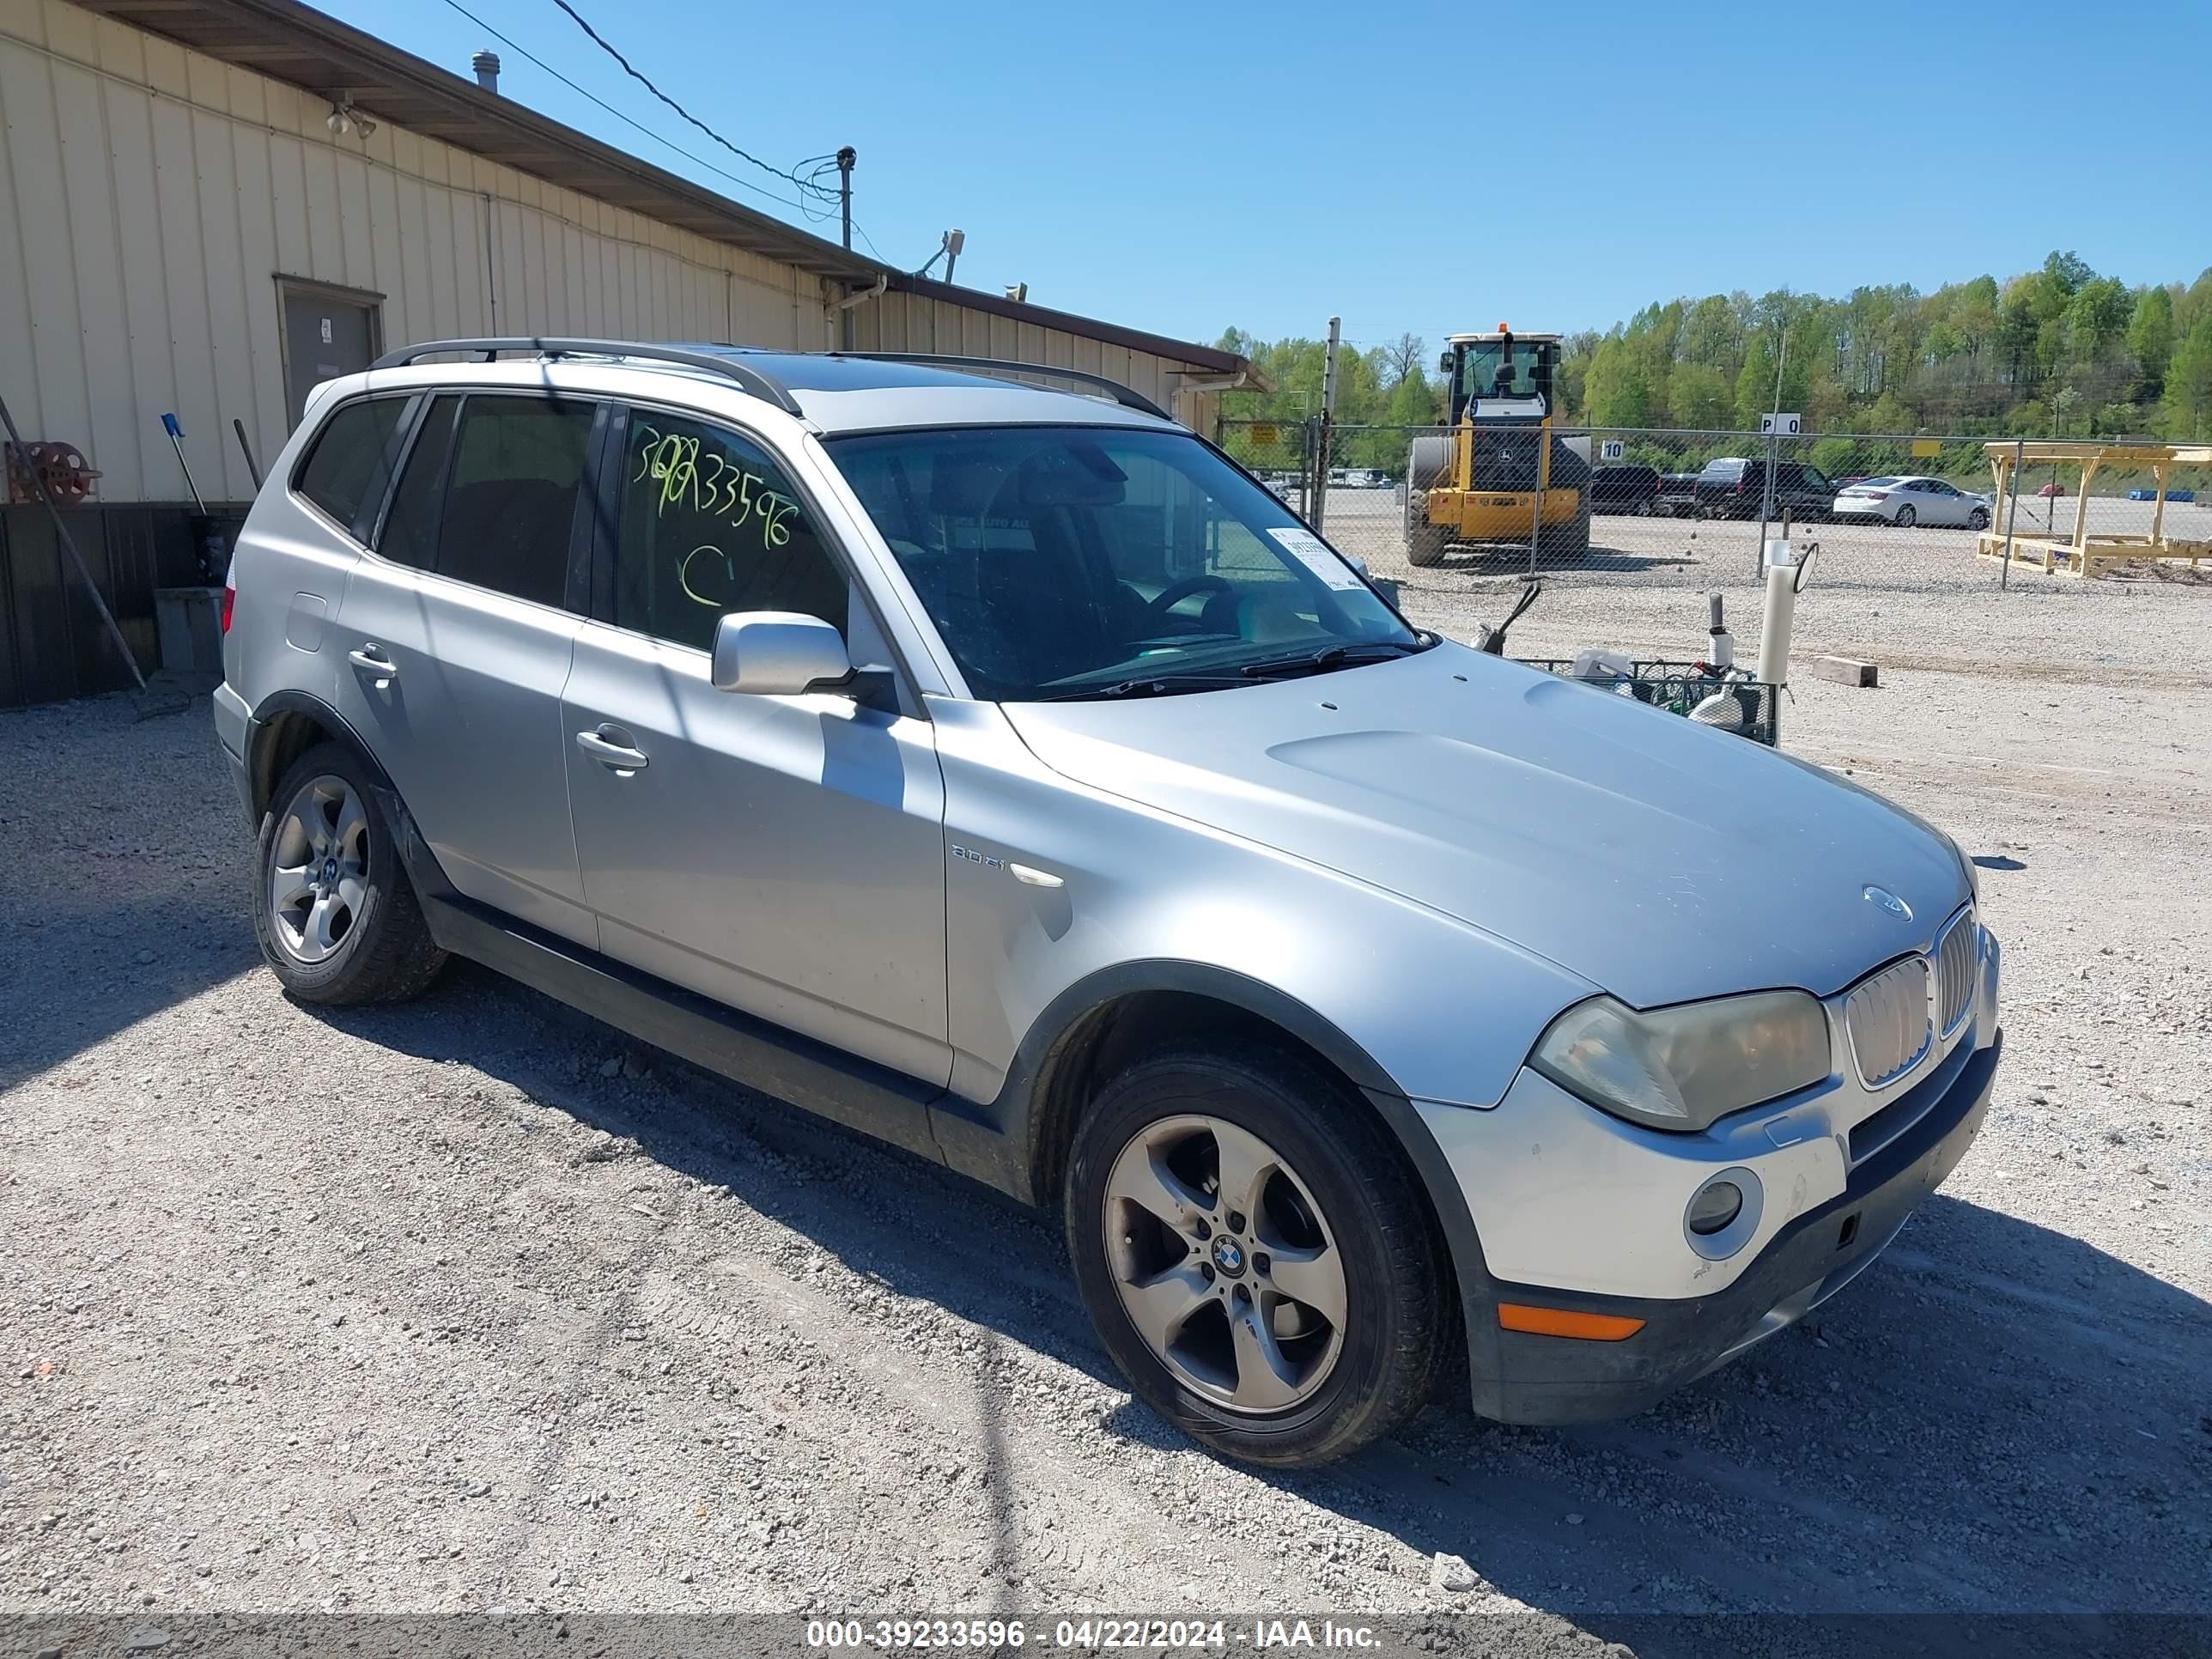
column 1225, row 1264
column 319, row 869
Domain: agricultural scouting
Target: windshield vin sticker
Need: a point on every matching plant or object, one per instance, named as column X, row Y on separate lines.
column 1310, row 550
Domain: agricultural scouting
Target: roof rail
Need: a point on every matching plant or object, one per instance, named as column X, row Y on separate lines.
column 751, row 379
column 1120, row 394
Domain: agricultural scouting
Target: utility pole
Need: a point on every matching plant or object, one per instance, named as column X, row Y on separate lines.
column 1328, row 420
column 846, row 157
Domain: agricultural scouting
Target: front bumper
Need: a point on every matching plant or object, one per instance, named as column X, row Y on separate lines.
column 1524, row 1378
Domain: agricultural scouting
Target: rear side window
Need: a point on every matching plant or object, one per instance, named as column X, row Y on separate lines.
column 489, row 494
column 348, row 466
column 710, row 525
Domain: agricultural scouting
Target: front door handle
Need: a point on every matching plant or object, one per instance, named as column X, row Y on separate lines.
column 609, row 745
column 370, row 660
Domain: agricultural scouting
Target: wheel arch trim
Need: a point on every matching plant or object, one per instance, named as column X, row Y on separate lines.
column 267, row 717
column 1008, row 1141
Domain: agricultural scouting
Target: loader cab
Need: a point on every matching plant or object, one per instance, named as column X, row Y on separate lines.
column 1502, row 376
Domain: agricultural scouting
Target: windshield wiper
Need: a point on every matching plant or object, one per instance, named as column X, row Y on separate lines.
column 1330, row 656
column 1153, row 685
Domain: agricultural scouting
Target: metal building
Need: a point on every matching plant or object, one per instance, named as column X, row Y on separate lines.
column 183, row 231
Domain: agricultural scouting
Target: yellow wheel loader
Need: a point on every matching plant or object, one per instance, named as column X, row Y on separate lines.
column 1479, row 483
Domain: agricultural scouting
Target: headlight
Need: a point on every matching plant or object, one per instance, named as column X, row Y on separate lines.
column 1679, row 1068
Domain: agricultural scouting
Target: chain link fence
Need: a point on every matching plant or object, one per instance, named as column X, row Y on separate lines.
column 1684, row 508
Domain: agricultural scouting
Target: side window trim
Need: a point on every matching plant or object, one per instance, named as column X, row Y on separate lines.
column 578, row 519
column 388, row 463
column 608, row 478
column 594, row 525
column 417, row 419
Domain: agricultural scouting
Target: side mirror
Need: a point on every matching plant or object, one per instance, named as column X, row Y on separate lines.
column 778, row 653
column 1444, row 365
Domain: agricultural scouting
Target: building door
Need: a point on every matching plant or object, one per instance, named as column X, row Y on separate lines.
column 327, row 332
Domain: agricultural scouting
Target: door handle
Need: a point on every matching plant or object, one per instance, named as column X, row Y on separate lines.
column 616, row 756
column 370, row 660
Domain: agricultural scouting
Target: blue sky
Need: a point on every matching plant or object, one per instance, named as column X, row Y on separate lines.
column 1424, row 167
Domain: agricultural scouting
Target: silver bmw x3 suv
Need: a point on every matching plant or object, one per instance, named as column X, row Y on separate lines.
column 1003, row 772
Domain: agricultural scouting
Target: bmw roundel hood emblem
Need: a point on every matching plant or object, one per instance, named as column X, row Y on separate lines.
column 1890, row 902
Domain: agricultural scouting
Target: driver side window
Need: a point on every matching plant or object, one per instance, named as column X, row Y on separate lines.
column 710, row 525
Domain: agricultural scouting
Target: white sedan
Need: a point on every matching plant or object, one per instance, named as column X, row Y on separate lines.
column 1908, row 501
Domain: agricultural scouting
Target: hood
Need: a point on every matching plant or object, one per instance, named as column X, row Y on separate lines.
column 1661, row 860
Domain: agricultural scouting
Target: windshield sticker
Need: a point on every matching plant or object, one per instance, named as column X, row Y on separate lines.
column 1310, row 550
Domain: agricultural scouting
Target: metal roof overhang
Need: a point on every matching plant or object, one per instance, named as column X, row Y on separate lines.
column 296, row 44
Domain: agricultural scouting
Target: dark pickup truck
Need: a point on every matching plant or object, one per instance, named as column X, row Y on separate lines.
column 1677, row 497
column 1734, row 487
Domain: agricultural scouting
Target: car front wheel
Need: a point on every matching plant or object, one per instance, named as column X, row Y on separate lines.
column 1978, row 519
column 1252, row 1247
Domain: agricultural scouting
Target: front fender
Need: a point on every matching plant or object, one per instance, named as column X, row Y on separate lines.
column 1405, row 999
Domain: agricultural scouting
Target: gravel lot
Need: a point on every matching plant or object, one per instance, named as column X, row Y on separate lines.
column 470, row 1304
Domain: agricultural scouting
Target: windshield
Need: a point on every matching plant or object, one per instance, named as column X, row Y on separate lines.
column 1491, row 369
column 1061, row 561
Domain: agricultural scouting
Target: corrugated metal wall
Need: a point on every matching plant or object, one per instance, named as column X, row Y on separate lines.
column 150, row 196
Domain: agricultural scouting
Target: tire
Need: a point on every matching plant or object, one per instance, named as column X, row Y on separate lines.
column 335, row 915
column 1424, row 541
column 1978, row 519
column 1905, row 518
column 1427, row 460
column 1300, row 1383
column 1567, row 544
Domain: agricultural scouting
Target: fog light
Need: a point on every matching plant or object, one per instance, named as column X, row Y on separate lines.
column 1717, row 1204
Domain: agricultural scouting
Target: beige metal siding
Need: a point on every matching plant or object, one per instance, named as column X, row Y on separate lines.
column 150, row 196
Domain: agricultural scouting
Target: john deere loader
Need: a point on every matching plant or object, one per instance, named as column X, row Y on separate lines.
column 1479, row 484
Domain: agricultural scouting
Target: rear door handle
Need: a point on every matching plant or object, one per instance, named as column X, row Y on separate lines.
column 607, row 746
column 370, row 660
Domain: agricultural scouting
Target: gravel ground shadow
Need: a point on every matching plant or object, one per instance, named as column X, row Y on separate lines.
column 1992, row 1390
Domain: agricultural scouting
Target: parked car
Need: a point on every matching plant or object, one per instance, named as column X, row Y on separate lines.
column 1734, row 488
column 1678, row 496
column 1002, row 773
column 1620, row 489
column 1908, row 501
column 2171, row 494
column 2052, row 489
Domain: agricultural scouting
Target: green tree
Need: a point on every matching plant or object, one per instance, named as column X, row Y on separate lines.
column 1698, row 398
column 2189, row 383
column 2096, row 317
column 2150, row 337
column 1618, row 391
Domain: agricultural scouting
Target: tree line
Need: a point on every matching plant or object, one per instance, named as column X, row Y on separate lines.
column 2059, row 351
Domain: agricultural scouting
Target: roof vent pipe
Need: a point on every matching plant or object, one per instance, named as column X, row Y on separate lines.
column 486, row 65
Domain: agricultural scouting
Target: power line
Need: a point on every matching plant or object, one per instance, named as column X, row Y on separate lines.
column 805, row 185
column 512, row 45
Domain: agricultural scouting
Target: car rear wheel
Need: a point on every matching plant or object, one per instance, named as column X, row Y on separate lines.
column 1905, row 518
column 1254, row 1251
column 335, row 915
